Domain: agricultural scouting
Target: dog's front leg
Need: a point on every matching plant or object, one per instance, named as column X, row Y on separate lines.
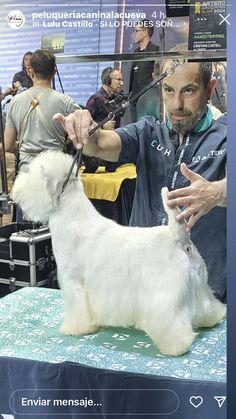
column 77, row 312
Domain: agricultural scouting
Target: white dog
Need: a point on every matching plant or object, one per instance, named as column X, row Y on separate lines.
column 152, row 279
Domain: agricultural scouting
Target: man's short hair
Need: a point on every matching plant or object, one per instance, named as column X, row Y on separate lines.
column 206, row 68
column 106, row 75
column 43, row 63
column 146, row 24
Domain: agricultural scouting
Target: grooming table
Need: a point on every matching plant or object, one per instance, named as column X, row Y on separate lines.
column 120, row 370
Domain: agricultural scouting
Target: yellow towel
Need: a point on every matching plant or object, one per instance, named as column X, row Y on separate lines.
column 106, row 185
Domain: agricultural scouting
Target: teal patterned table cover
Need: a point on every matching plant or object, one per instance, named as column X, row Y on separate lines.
column 29, row 329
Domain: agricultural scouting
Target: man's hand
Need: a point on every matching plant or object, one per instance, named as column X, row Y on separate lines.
column 6, row 92
column 198, row 198
column 77, row 125
column 17, row 85
column 104, row 143
column 109, row 125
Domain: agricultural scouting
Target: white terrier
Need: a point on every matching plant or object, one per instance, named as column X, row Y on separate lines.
column 152, row 279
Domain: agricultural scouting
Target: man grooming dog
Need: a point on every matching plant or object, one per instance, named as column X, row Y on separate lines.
column 187, row 154
column 152, row 279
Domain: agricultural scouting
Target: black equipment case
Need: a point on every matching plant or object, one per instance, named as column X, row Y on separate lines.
column 26, row 257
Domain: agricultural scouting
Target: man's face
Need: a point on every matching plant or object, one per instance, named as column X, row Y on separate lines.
column 185, row 96
column 116, row 81
column 139, row 34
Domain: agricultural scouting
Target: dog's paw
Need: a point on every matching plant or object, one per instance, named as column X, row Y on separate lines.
column 175, row 350
column 68, row 329
column 176, row 345
column 215, row 314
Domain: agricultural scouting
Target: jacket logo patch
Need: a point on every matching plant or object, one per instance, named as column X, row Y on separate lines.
column 210, row 155
column 162, row 149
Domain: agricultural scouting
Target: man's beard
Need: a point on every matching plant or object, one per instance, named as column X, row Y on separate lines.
column 187, row 124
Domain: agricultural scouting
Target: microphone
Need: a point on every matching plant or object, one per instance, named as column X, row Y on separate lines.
column 118, row 98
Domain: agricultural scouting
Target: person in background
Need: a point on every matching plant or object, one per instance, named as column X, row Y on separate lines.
column 9, row 157
column 29, row 115
column 35, row 130
column 23, row 79
column 219, row 97
column 149, row 103
column 100, row 104
column 9, row 91
column 141, row 71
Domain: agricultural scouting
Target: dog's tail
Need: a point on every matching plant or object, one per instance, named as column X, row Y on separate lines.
column 177, row 229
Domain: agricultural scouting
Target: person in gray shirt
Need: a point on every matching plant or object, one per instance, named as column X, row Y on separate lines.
column 29, row 115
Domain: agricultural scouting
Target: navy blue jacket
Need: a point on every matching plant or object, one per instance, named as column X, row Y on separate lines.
column 154, row 148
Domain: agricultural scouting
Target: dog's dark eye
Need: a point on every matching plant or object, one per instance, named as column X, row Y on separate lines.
column 187, row 248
